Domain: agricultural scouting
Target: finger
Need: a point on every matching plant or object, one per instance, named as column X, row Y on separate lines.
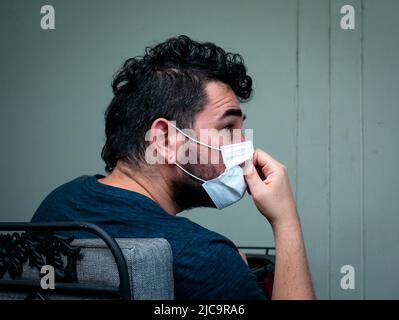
column 252, row 177
column 249, row 191
column 266, row 162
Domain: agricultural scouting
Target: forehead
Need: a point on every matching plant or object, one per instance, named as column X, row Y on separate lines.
column 220, row 97
column 219, row 94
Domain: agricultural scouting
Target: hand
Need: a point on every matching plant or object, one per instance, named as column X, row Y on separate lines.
column 269, row 185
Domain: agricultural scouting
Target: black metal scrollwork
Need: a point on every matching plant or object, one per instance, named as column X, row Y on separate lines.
column 39, row 248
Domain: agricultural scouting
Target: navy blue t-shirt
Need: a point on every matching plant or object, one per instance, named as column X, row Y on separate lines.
column 206, row 265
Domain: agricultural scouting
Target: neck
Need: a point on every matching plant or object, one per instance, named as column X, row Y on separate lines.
column 146, row 181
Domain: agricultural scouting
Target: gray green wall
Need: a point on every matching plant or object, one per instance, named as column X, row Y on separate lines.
column 325, row 104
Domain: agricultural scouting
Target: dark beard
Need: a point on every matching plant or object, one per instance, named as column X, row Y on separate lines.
column 188, row 192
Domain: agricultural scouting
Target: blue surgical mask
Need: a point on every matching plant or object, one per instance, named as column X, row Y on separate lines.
column 230, row 186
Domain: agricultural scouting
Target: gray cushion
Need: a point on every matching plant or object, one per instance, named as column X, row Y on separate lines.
column 149, row 262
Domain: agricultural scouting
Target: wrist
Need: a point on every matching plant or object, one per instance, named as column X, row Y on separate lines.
column 289, row 221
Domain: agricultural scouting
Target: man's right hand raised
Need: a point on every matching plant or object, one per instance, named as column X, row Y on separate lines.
column 269, row 185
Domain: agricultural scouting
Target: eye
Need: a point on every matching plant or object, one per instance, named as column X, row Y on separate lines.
column 229, row 127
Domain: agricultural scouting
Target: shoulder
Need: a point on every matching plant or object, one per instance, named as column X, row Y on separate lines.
column 70, row 185
column 57, row 197
column 68, row 190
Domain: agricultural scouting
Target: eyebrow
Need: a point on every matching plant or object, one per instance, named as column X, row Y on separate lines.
column 233, row 112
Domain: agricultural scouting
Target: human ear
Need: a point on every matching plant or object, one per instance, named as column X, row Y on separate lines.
column 163, row 140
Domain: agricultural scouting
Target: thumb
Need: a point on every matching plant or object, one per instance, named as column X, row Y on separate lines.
column 252, row 177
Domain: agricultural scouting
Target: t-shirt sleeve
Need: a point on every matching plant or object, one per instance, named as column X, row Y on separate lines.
column 212, row 268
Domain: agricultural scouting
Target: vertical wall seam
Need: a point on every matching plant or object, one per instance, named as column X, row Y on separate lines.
column 362, row 213
column 297, row 104
column 329, row 156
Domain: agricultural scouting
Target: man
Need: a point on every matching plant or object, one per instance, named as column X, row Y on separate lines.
column 183, row 84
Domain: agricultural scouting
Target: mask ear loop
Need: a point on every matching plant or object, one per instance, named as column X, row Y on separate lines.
column 199, row 142
column 186, row 135
column 190, row 174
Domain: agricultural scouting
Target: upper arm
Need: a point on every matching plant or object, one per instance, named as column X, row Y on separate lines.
column 214, row 269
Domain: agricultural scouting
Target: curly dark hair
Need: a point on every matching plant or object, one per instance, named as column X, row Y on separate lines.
column 168, row 81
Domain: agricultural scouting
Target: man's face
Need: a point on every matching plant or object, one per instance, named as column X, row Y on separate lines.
column 222, row 115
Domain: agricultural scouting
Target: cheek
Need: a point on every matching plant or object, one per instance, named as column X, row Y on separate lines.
column 210, row 163
column 206, row 171
column 220, row 168
column 208, row 156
